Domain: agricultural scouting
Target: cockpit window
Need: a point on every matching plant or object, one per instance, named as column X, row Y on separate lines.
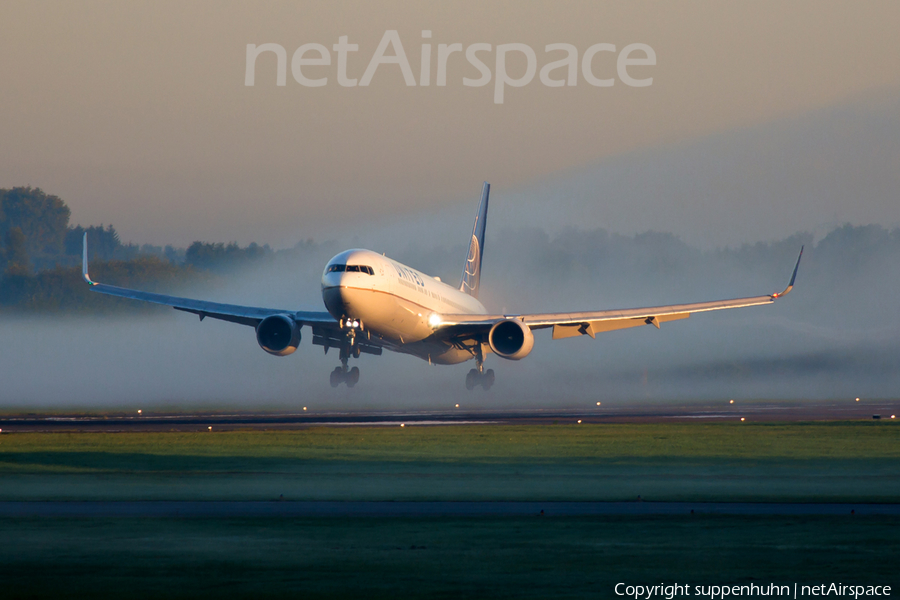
column 360, row 269
column 351, row 269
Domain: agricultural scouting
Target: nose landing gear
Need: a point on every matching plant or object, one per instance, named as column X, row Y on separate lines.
column 343, row 373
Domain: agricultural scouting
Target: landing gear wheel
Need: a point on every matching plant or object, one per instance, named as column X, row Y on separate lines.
column 487, row 380
column 471, row 378
column 352, row 377
column 337, row 376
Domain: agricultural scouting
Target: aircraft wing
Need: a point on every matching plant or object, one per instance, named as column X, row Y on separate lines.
column 245, row 315
column 590, row 323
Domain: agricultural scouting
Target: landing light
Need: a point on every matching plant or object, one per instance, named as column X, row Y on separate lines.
column 731, row 402
column 598, row 404
column 434, row 319
column 579, row 421
column 742, row 418
column 857, row 399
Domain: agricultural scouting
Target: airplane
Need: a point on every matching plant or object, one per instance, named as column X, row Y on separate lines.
column 374, row 303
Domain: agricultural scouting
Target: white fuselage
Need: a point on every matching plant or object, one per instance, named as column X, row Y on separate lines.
column 394, row 303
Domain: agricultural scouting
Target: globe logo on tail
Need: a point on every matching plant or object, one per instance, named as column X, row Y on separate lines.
column 470, row 279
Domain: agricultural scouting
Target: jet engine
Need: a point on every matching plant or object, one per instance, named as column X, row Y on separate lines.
column 511, row 339
column 278, row 335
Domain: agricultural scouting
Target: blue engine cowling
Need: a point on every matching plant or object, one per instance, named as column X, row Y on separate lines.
column 278, row 335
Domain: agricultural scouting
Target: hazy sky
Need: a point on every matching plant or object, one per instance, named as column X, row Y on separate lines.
column 136, row 113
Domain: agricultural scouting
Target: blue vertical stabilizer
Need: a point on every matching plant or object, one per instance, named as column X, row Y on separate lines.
column 471, row 277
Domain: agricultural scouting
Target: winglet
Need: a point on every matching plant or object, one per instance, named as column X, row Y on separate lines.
column 84, row 262
column 793, row 277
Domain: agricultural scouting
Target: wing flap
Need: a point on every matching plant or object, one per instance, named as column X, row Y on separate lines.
column 592, row 328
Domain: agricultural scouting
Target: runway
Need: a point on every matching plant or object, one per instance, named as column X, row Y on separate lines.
column 618, row 412
column 166, row 509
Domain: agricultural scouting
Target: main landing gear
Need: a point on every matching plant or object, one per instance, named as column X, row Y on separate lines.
column 485, row 379
column 478, row 376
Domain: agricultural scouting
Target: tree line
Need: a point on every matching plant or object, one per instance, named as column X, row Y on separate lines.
column 40, row 258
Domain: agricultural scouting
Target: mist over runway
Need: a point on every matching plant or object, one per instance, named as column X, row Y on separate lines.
column 822, row 342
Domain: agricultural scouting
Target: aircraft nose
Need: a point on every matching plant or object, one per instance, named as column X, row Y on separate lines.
column 335, row 301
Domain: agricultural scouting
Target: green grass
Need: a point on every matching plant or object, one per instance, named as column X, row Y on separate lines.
column 852, row 439
column 412, row 558
column 840, row 461
column 506, row 557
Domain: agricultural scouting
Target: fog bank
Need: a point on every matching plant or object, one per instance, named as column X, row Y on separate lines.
column 836, row 335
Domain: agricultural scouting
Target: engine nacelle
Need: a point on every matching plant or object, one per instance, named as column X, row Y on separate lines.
column 511, row 339
column 278, row 335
